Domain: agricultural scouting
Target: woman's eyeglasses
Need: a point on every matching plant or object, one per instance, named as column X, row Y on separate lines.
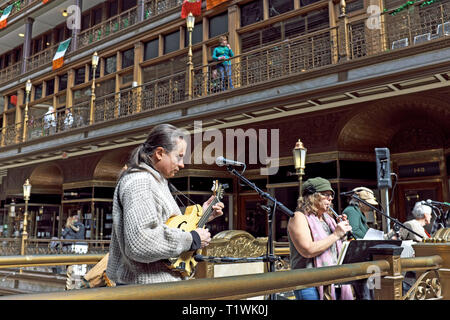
column 327, row 195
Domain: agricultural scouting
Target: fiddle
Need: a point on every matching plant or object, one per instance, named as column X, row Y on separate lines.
column 339, row 218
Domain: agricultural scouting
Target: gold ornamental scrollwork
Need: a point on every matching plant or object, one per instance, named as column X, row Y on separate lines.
column 426, row 287
column 235, row 244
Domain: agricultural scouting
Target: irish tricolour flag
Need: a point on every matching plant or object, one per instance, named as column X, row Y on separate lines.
column 58, row 59
column 4, row 17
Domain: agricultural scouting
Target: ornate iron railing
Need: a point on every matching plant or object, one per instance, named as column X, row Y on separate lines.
column 391, row 31
column 18, row 6
column 47, row 124
column 43, row 57
column 267, row 64
column 10, row 72
column 152, row 8
column 11, row 134
column 12, row 246
column 151, row 95
column 101, row 31
column 109, row 27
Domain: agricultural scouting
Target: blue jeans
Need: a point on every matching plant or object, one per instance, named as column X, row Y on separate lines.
column 225, row 70
column 307, row 294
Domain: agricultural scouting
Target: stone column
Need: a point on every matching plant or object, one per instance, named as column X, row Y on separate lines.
column 76, row 31
column 27, row 43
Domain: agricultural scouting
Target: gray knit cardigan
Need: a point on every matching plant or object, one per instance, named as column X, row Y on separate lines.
column 140, row 239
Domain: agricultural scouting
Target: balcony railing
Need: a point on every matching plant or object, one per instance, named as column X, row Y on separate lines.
column 99, row 32
column 10, row 72
column 11, row 134
column 12, row 246
column 108, row 27
column 414, row 26
column 18, row 6
column 152, row 8
column 151, row 95
column 289, row 57
column 293, row 56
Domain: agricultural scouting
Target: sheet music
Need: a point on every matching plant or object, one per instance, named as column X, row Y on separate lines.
column 343, row 252
column 373, row 234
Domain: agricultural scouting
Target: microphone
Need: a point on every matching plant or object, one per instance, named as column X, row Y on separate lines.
column 437, row 203
column 347, row 193
column 424, row 203
column 221, row 161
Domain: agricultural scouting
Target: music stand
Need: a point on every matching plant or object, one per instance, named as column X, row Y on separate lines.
column 358, row 250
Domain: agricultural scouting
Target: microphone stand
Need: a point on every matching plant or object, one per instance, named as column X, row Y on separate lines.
column 260, row 192
column 440, row 220
column 385, row 215
column 271, row 209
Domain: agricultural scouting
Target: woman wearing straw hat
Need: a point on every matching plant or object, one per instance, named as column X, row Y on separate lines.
column 358, row 212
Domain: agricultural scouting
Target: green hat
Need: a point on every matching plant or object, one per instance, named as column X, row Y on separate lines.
column 314, row 185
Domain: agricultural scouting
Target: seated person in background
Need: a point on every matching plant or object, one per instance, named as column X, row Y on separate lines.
column 358, row 212
column 422, row 217
column 357, row 215
column 315, row 238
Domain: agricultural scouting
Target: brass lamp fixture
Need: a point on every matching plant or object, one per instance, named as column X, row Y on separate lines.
column 94, row 63
column 299, row 153
column 28, row 86
column 190, row 22
column 26, row 197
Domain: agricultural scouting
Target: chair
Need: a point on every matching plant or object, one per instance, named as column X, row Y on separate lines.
column 421, row 38
column 442, row 29
column 402, row 43
column 447, row 28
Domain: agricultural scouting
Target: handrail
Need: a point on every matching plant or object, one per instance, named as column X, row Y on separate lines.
column 235, row 287
column 48, row 260
column 421, row 263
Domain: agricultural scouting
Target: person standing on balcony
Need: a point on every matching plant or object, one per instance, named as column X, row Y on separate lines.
column 141, row 242
column 223, row 53
column 315, row 239
column 50, row 121
column 68, row 120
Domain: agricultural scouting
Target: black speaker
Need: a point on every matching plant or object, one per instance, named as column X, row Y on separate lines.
column 383, row 168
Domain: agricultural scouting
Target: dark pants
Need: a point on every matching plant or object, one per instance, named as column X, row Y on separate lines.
column 362, row 291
